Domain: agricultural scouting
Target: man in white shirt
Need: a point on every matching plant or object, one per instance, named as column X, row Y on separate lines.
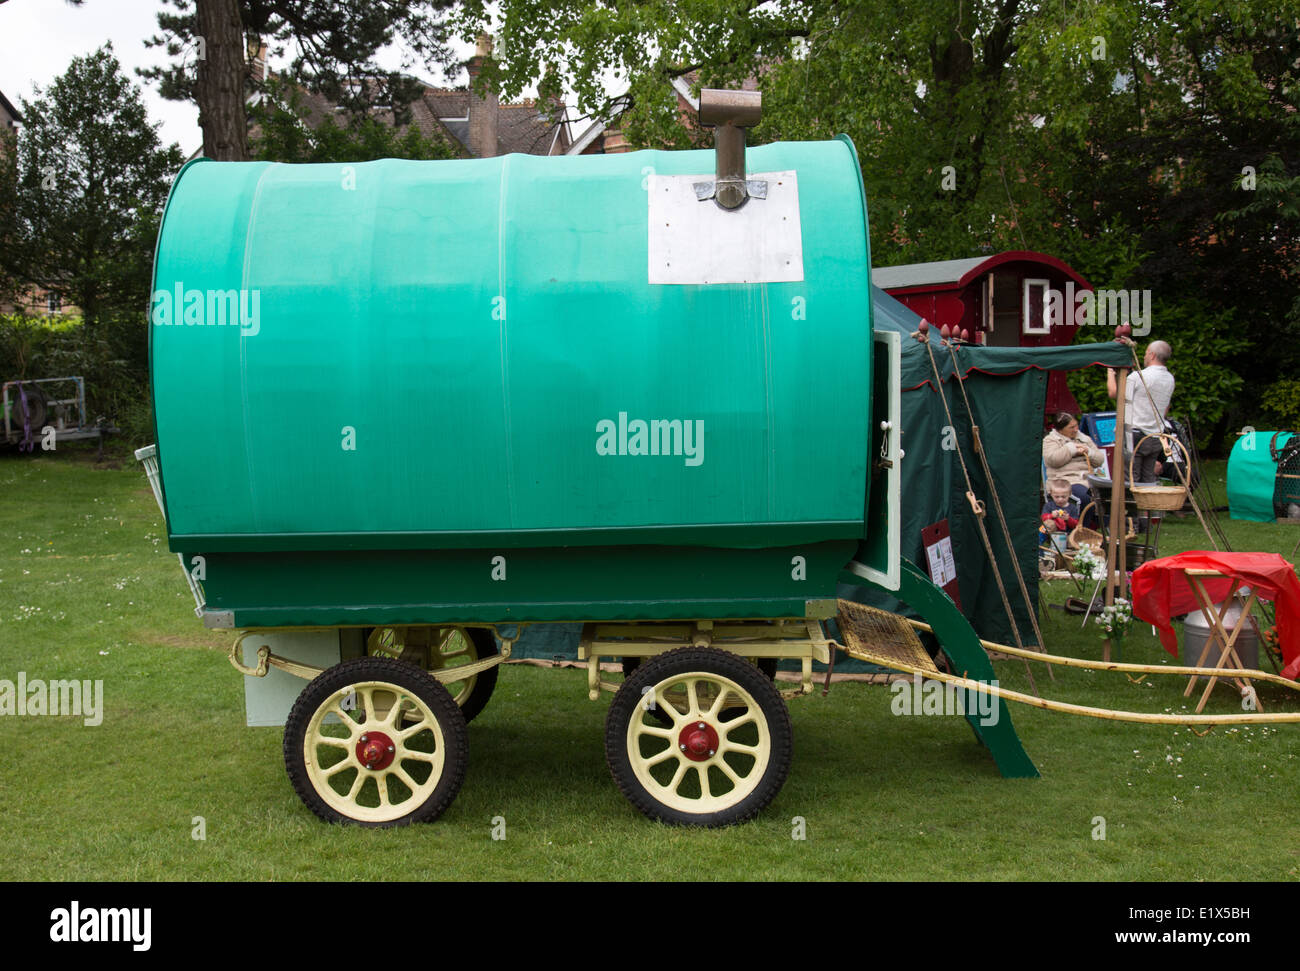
column 1142, row 415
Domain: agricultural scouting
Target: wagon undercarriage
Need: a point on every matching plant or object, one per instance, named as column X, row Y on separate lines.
column 698, row 733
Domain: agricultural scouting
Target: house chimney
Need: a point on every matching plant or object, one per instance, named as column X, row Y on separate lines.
column 613, row 142
column 257, row 63
column 482, row 108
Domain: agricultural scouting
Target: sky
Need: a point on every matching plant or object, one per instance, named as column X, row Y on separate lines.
column 39, row 37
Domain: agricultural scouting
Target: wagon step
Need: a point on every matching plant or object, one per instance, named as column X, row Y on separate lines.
column 881, row 638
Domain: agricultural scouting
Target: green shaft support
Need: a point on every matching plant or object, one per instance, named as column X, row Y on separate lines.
column 962, row 646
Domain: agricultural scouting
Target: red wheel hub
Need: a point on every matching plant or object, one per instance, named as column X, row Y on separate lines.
column 698, row 741
column 375, row 750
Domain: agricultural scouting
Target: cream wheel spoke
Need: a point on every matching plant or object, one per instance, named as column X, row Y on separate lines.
column 726, row 770
column 338, row 767
column 429, row 757
column 405, row 776
column 664, row 756
column 661, row 704
column 337, row 711
column 395, row 712
column 357, row 783
column 703, row 772
column 462, row 647
column 742, row 747
column 381, row 786
column 331, row 740
column 367, row 694
column 692, row 699
column 677, row 777
column 421, row 726
column 655, row 731
column 714, row 708
column 748, row 718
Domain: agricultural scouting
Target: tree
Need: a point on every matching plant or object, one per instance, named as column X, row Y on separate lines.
column 219, row 80
column 1119, row 135
column 83, row 189
column 335, row 44
column 929, row 91
column 1189, row 126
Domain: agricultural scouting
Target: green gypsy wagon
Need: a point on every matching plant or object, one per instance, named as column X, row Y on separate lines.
column 405, row 407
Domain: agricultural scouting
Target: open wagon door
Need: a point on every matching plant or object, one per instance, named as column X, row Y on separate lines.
column 879, row 552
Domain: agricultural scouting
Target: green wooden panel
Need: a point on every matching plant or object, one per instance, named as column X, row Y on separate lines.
column 536, row 584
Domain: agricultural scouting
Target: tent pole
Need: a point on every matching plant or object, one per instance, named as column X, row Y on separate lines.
column 1114, row 539
column 997, row 504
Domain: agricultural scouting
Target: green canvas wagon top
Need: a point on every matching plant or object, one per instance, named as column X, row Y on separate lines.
column 519, row 388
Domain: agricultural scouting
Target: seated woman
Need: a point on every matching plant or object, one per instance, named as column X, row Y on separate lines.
column 1070, row 455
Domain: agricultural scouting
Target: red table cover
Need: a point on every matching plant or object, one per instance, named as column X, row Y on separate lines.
column 1161, row 590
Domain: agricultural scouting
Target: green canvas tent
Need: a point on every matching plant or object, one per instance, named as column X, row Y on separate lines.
column 1006, row 387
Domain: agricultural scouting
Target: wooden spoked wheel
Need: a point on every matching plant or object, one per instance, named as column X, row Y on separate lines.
column 376, row 741
column 699, row 736
column 439, row 648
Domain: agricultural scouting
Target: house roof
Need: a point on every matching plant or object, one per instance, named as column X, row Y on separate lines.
column 443, row 113
column 956, row 274
column 7, row 105
column 597, row 127
column 526, row 127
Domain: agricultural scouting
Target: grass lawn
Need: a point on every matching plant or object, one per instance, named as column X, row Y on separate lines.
column 89, row 591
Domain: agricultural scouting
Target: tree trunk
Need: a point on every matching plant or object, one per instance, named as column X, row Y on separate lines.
column 220, row 87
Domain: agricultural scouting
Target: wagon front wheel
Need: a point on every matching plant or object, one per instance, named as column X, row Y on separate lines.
column 699, row 736
column 377, row 742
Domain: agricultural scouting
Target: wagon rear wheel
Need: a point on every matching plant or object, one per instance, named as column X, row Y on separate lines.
column 446, row 647
column 698, row 736
column 377, row 742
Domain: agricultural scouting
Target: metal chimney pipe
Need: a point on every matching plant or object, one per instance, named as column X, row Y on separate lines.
column 729, row 113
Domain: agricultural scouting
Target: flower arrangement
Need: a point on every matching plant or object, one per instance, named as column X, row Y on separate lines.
column 1116, row 619
column 1087, row 564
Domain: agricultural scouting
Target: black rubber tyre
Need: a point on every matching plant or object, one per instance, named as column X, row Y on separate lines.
column 36, row 411
column 475, row 699
column 750, row 708
column 441, row 743
column 485, row 682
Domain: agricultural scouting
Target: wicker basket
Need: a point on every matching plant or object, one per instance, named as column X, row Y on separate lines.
column 1083, row 536
column 1158, row 498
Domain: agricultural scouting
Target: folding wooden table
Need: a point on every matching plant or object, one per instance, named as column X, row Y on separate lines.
column 1228, row 659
